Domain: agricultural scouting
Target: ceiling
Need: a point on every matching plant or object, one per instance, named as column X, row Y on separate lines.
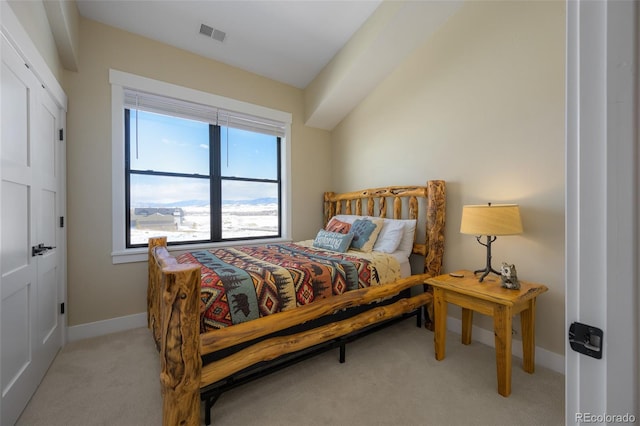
column 287, row 41
column 338, row 51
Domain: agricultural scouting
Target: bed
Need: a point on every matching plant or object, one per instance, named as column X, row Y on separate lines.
column 202, row 355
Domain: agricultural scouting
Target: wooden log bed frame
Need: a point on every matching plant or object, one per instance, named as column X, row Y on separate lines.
column 174, row 308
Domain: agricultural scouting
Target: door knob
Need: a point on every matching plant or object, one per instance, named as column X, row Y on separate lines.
column 40, row 249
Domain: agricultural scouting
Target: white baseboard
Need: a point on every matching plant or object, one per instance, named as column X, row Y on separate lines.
column 545, row 358
column 100, row 328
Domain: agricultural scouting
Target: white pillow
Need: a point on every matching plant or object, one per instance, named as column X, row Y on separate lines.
column 406, row 243
column 387, row 238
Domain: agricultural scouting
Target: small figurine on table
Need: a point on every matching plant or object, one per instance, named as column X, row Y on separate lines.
column 509, row 276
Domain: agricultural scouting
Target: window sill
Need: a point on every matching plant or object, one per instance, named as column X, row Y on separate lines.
column 141, row 254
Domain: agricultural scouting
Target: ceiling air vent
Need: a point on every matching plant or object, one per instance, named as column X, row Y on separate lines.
column 206, row 30
column 212, row 32
column 219, row 35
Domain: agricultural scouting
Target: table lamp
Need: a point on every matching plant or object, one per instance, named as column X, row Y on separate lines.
column 490, row 220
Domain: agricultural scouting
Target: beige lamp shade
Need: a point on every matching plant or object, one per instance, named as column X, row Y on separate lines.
column 491, row 219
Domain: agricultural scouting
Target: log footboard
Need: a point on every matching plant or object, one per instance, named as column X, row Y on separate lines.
column 277, row 346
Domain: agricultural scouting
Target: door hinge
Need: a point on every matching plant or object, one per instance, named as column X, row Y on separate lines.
column 62, row 308
column 61, row 136
column 61, row 221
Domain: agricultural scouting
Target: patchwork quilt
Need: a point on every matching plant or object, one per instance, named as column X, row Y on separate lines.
column 244, row 283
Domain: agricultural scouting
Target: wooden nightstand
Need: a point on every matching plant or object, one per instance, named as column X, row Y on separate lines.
column 488, row 298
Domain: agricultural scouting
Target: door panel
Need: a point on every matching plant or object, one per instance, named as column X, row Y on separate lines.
column 48, row 324
column 47, row 223
column 46, row 158
column 30, row 286
column 15, row 228
column 16, row 353
column 15, row 105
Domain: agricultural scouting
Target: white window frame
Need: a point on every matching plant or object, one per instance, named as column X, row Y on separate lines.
column 119, row 81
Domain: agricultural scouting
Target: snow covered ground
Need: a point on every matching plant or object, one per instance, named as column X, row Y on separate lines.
column 238, row 220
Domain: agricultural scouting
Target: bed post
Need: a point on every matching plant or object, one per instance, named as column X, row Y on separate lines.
column 436, row 201
column 329, row 209
column 180, row 361
column 153, row 289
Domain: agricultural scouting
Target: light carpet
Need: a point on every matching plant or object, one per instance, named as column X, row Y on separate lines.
column 390, row 378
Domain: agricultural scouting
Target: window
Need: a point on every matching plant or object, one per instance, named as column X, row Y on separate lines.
column 195, row 181
column 194, row 169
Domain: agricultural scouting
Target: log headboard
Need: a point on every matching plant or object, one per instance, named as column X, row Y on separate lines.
column 404, row 201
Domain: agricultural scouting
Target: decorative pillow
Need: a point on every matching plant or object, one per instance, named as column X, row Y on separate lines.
column 333, row 241
column 365, row 232
column 349, row 218
column 339, row 226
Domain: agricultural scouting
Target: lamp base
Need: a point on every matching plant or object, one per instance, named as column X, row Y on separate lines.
column 486, row 271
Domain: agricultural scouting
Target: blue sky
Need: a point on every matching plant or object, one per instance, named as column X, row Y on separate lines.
column 172, row 144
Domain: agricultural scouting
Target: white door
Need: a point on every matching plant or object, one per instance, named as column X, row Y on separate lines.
column 602, row 216
column 46, row 155
column 30, row 285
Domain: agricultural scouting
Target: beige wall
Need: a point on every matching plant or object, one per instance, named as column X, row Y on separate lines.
column 33, row 18
column 480, row 105
column 97, row 289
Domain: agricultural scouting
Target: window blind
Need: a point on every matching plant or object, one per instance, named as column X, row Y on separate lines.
column 137, row 100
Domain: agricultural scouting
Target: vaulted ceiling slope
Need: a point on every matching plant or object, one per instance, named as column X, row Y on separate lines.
column 336, row 51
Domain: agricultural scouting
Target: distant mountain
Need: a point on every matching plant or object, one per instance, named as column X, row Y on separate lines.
column 202, row 203
column 266, row 200
column 197, row 203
